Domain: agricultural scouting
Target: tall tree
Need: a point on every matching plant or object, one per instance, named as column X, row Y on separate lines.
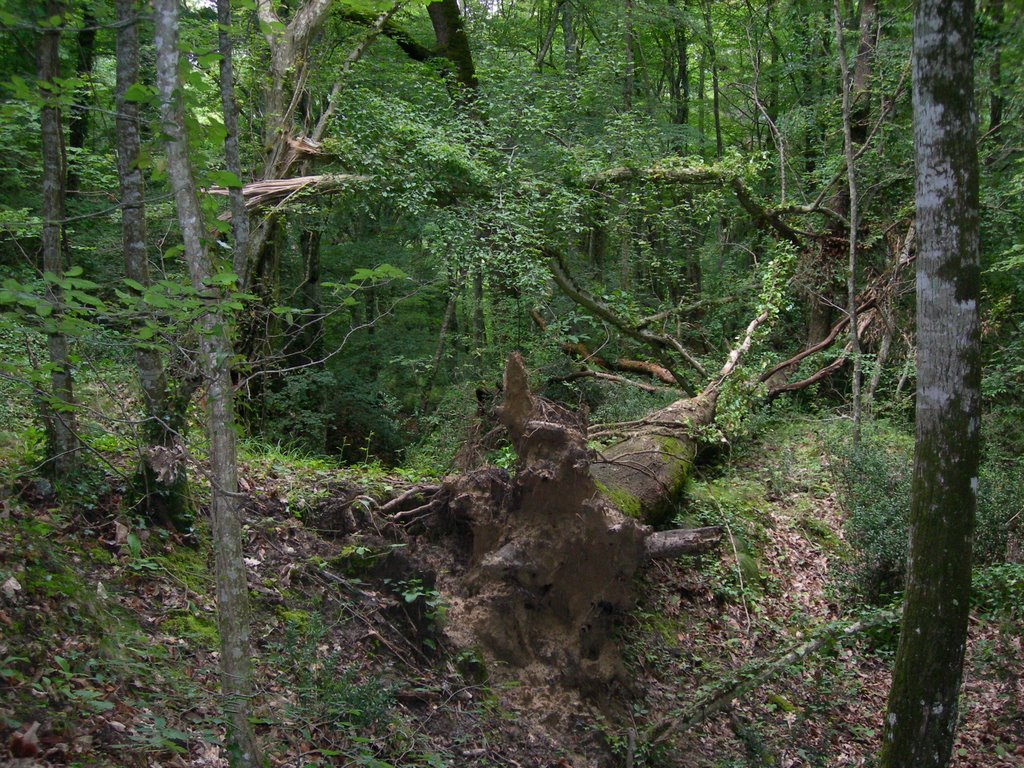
column 922, row 710
column 78, row 124
column 216, row 351
column 232, row 157
column 59, row 413
column 853, row 208
column 162, row 474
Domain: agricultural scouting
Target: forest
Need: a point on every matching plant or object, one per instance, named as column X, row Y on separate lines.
column 511, row 383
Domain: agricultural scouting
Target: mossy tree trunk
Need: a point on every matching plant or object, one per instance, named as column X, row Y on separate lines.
column 645, row 470
column 922, row 710
column 62, row 444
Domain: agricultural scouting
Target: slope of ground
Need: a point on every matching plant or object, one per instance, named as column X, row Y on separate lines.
column 108, row 641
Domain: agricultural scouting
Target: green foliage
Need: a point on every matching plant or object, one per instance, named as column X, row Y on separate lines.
column 326, row 688
column 998, row 590
column 874, row 483
column 442, row 432
column 339, row 412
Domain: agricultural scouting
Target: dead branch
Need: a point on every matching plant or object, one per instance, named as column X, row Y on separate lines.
column 755, row 675
column 658, row 343
column 650, row 388
column 684, row 541
column 277, row 191
column 580, row 351
column 400, row 501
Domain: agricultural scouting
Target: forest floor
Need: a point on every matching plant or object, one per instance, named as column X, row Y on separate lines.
column 108, row 638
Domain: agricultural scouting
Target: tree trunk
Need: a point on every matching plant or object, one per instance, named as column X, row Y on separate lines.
column 995, row 99
column 679, row 83
column 570, row 43
column 215, row 344
column 644, row 472
column 62, row 450
column 854, row 202
column 162, row 474
column 922, row 709
column 628, row 81
column 860, row 99
column 713, row 59
column 78, row 122
column 452, row 42
column 233, row 162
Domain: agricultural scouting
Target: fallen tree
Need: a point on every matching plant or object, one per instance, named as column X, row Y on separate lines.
column 547, row 560
column 548, row 553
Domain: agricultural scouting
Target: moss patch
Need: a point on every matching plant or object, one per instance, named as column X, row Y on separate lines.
column 623, row 499
column 189, row 625
column 189, row 567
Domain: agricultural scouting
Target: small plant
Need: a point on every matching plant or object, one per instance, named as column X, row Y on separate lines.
column 414, row 591
column 326, row 689
column 999, row 589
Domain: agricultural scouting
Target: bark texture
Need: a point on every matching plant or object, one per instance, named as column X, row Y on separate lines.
column 62, row 451
column 922, row 710
column 232, row 587
column 162, row 476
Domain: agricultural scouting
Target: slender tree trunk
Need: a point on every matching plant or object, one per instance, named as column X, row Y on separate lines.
column 435, row 363
column 995, row 103
column 58, row 414
column 78, row 121
column 162, row 474
column 549, row 37
column 479, row 339
column 232, row 587
column 570, row 43
column 233, row 162
column 922, row 710
column 851, row 181
column 679, row 83
column 628, row 83
column 860, row 99
column 713, row 60
column 310, row 340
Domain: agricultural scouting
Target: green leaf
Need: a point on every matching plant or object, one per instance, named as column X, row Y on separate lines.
column 139, row 93
column 224, row 278
column 226, row 179
column 209, row 58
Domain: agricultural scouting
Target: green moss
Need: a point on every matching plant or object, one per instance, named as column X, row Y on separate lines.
column 298, row 620
column 623, row 499
column 193, row 627
column 819, row 532
column 100, row 555
column 188, row 567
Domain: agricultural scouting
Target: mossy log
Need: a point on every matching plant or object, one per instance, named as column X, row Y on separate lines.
column 644, row 471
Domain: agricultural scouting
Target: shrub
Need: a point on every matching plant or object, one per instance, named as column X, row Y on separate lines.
column 873, row 482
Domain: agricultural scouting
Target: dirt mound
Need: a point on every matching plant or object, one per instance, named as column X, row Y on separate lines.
column 551, row 563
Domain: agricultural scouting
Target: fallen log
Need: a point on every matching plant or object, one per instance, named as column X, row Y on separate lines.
column 682, row 541
column 644, row 472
